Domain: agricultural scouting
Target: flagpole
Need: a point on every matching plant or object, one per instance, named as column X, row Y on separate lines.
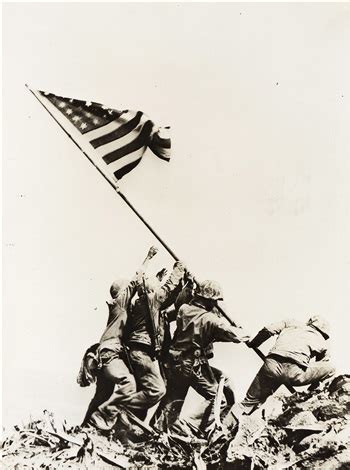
column 126, row 200
column 112, row 183
column 137, row 213
column 223, row 313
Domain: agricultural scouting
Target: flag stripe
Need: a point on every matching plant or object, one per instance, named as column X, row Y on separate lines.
column 123, row 171
column 118, row 140
column 165, row 143
column 160, row 143
column 117, row 133
column 131, row 157
column 119, row 143
column 162, row 157
column 136, row 144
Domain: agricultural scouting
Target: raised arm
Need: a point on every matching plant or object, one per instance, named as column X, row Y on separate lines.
column 151, row 253
column 172, row 283
column 125, row 296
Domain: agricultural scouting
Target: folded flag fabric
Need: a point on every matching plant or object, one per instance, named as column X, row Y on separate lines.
column 119, row 139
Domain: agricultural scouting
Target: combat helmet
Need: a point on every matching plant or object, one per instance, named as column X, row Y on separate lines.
column 117, row 286
column 210, row 290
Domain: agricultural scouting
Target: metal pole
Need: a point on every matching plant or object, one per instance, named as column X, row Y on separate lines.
column 125, row 199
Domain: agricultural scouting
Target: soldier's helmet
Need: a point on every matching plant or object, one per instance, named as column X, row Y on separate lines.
column 321, row 324
column 210, row 290
column 117, row 286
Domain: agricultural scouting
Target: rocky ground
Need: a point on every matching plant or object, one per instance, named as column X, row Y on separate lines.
column 310, row 430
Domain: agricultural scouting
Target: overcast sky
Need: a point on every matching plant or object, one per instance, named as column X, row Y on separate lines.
column 256, row 195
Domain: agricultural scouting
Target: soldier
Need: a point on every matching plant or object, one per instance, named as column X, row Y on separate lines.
column 159, row 419
column 115, row 382
column 144, row 337
column 198, row 326
column 289, row 361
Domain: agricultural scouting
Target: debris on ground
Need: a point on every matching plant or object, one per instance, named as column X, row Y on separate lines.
column 311, row 430
column 42, row 444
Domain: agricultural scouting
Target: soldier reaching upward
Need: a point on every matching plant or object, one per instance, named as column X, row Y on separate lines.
column 144, row 337
column 159, row 419
column 115, row 382
column 198, row 327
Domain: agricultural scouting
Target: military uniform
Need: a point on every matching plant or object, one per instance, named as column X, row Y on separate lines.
column 197, row 330
column 289, row 361
column 115, row 382
column 143, row 343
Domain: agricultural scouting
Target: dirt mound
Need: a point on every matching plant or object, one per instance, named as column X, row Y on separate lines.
column 311, row 432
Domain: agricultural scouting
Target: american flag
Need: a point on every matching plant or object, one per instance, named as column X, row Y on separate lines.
column 119, row 138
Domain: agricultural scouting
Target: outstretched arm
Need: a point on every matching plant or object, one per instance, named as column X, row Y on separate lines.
column 219, row 330
column 271, row 330
column 260, row 338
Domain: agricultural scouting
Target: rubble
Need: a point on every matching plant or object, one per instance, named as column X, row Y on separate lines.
column 42, row 444
column 311, row 432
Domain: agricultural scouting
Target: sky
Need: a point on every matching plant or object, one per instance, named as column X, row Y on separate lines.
column 256, row 195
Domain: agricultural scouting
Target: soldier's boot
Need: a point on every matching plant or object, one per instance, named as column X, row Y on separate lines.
column 126, row 432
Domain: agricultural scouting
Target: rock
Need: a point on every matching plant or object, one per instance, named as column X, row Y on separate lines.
column 333, row 409
column 340, row 385
column 304, row 418
column 273, row 406
column 344, row 434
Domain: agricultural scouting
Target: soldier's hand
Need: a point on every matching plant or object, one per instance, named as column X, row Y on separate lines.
column 152, row 252
column 180, row 265
column 242, row 334
column 189, row 276
column 161, row 274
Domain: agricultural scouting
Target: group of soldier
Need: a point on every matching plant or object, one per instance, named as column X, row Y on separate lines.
column 138, row 364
